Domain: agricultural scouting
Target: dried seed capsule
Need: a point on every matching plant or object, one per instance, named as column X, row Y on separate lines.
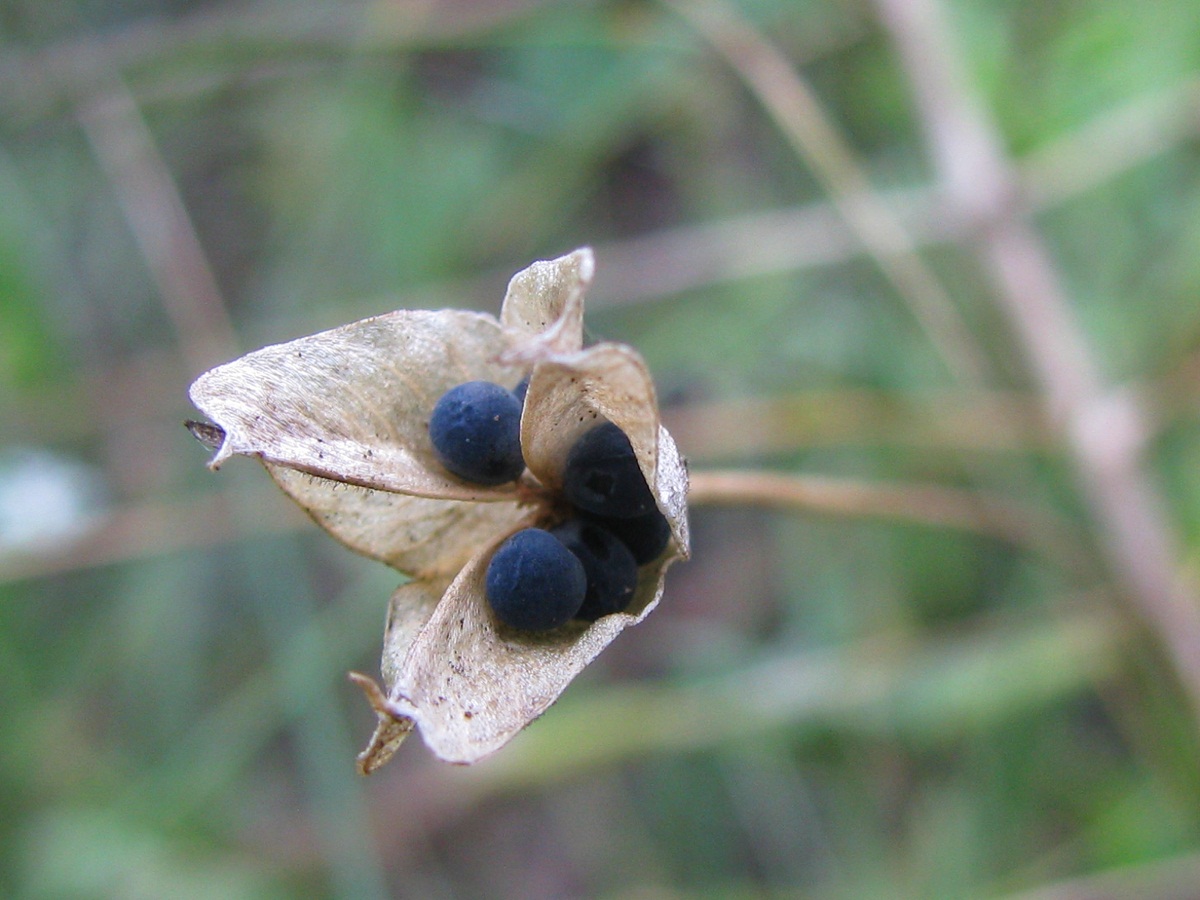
column 609, row 566
column 521, row 389
column 645, row 536
column 476, row 433
column 534, row 582
column 602, row 475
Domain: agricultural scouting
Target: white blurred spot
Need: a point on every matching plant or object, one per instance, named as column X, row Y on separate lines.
column 45, row 499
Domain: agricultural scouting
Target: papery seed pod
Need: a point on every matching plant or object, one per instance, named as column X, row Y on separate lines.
column 341, row 421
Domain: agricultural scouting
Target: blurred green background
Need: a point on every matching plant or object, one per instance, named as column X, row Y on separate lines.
column 824, row 705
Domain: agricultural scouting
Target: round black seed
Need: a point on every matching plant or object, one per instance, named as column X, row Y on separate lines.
column 476, row 433
column 645, row 536
column 534, row 583
column 610, row 567
column 602, row 475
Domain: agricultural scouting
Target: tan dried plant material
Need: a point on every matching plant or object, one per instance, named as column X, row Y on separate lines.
column 341, row 421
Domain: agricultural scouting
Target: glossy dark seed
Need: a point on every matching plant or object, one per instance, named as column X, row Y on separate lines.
column 645, row 536
column 534, row 582
column 476, row 433
column 602, row 475
column 609, row 566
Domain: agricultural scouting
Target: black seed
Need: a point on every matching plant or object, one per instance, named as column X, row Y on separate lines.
column 610, row 567
column 645, row 536
column 602, row 475
column 476, row 433
column 534, row 583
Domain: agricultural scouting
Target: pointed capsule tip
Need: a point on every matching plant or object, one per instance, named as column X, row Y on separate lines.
column 211, row 436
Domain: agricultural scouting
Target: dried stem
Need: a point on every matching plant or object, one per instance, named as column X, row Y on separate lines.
column 671, row 261
column 751, row 427
column 1104, row 431
column 796, row 110
column 158, row 219
column 1112, row 143
column 139, row 531
column 920, row 503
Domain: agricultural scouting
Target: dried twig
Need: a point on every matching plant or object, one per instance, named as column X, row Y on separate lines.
column 925, row 504
column 141, row 531
column 795, row 109
column 159, row 221
column 1112, row 143
column 249, row 34
column 1105, row 431
column 742, row 428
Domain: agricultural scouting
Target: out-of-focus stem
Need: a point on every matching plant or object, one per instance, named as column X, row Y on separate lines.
column 157, row 217
column 795, row 109
column 1104, row 431
column 920, row 503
